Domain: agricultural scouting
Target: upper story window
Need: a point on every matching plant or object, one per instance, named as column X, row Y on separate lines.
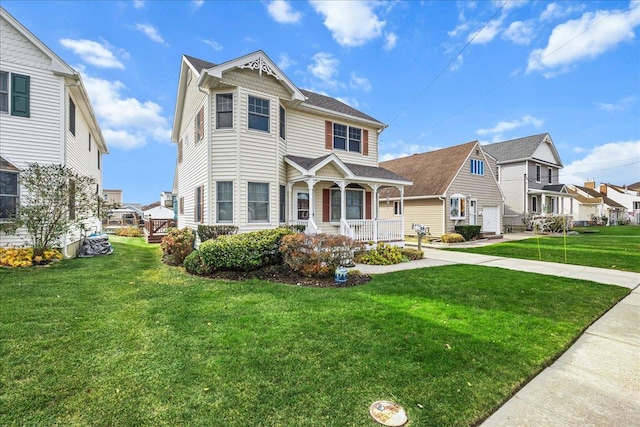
column 538, row 173
column 355, row 139
column 498, row 174
column 72, row 117
column 282, row 123
column 258, row 113
column 8, row 194
column 339, row 136
column 550, row 181
column 348, row 138
column 224, row 111
column 4, row 92
column 477, row 167
column 199, row 125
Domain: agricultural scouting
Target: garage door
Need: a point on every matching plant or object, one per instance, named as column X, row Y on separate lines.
column 490, row 219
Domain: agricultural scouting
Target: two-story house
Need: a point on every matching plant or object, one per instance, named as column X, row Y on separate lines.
column 527, row 171
column 45, row 117
column 257, row 152
column 451, row 186
column 591, row 206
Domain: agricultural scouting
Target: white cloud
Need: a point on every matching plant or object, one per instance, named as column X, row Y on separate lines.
column 391, row 40
column 358, row 82
column 138, row 4
column 214, row 44
column 340, row 17
column 621, row 105
column 285, row 62
column 556, row 11
column 151, row 32
column 282, row 12
column 402, row 149
column 324, row 68
column 487, row 33
column 498, row 130
column 614, row 162
column 197, row 4
column 461, row 28
column 128, row 121
column 519, row 32
column 93, row 53
column 585, row 38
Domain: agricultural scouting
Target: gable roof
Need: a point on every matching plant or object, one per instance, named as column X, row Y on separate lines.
column 331, row 104
column 431, row 172
column 71, row 76
column 519, row 149
column 595, row 193
column 309, row 166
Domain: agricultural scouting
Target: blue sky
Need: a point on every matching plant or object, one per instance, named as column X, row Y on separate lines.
column 439, row 73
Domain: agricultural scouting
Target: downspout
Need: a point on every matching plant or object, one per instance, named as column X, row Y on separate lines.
column 63, row 150
column 209, row 152
column 443, row 198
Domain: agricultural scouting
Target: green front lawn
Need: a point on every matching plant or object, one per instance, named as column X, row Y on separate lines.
column 125, row 340
column 615, row 247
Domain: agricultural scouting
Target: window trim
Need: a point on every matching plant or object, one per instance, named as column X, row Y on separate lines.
column 477, row 167
column 5, row 93
column 72, row 117
column 258, row 114
column 219, row 111
column 282, row 124
column 298, row 210
column 15, row 196
column 457, row 211
column 397, row 208
column 538, row 173
column 219, row 201
column 363, row 206
column 267, row 202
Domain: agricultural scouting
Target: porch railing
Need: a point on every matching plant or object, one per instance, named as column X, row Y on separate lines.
column 363, row 230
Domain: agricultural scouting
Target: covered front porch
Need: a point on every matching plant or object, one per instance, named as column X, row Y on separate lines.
column 327, row 195
column 550, row 200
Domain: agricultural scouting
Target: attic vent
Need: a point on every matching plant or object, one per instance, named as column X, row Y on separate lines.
column 477, row 151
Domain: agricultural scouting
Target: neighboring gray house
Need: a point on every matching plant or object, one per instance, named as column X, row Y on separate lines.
column 527, row 172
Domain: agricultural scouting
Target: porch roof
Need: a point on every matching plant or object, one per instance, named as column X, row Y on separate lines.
column 355, row 171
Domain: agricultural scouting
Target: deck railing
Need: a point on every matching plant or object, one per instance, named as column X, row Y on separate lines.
column 156, row 229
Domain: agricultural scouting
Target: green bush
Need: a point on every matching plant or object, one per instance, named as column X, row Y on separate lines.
column 469, row 232
column 317, row 255
column 193, row 264
column 246, row 251
column 452, row 238
column 208, row 232
column 382, row 254
column 131, row 231
column 297, row 228
column 176, row 245
column 412, row 254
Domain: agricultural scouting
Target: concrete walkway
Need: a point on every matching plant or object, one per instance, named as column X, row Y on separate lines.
column 594, row 383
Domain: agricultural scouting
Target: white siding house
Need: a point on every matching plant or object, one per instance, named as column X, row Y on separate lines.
column 45, row 117
column 257, row 152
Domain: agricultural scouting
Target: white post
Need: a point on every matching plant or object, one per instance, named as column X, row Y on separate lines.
column 374, row 211
column 343, row 205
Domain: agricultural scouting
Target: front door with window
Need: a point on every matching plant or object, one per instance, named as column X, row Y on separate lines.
column 473, row 216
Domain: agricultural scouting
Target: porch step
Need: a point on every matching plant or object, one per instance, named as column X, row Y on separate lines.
column 490, row 236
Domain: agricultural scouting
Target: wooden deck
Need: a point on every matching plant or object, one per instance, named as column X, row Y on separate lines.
column 156, row 229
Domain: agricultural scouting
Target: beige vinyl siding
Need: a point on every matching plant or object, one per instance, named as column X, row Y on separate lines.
column 483, row 188
column 512, row 183
column 416, row 211
column 306, row 134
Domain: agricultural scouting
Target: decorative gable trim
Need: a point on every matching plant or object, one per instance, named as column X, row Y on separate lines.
column 262, row 66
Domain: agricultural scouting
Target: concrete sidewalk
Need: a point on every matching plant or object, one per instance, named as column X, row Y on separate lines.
column 594, row 383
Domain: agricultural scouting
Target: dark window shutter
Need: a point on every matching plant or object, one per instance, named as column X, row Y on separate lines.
column 365, row 142
column 367, row 205
column 328, row 135
column 20, row 87
column 326, row 205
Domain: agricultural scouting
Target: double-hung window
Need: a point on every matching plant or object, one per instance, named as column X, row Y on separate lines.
column 224, row 201
column 477, row 167
column 347, row 138
column 538, row 173
column 282, row 202
column 355, row 139
column 8, row 194
column 282, row 123
column 72, row 117
column 354, row 204
column 4, row 92
column 258, row 201
column 457, row 208
column 339, row 136
column 224, row 111
column 14, row 94
column 199, row 125
column 198, row 214
column 550, row 179
column 258, row 113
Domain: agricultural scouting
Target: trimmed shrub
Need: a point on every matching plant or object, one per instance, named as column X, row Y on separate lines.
column 317, row 255
column 382, row 254
column 452, row 238
column 130, row 231
column 208, row 232
column 412, row 254
column 246, row 251
column 193, row 264
column 176, row 245
column 469, row 232
column 24, row 257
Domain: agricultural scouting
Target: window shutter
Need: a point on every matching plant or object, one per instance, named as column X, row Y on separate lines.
column 326, row 205
column 367, row 205
column 195, row 204
column 365, row 142
column 328, row 135
column 20, row 88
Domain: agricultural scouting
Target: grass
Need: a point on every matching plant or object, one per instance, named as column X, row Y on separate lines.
column 125, row 340
column 615, row 247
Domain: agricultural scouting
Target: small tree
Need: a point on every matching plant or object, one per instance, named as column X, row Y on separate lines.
column 56, row 200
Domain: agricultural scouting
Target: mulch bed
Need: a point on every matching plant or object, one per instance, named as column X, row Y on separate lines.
column 283, row 274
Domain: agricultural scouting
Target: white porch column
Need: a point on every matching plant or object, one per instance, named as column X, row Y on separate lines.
column 343, row 206
column 374, row 210
column 292, row 202
column 312, row 203
column 401, row 188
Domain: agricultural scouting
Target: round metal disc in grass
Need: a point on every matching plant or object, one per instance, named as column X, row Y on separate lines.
column 388, row 413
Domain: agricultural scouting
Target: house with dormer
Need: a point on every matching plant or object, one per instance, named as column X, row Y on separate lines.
column 451, row 186
column 256, row 151
column 46, row 117
column 527, row 170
